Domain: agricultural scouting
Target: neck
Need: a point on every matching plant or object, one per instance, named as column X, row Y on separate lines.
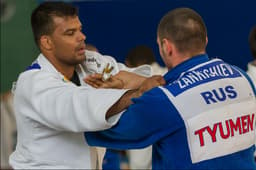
column 63, row 68
column 180, row 58
column 67, row 71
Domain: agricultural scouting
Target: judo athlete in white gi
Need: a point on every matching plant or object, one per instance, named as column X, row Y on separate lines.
column 51, row 111
column 203, row 118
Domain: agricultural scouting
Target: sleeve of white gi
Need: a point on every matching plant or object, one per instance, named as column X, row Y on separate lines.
column 96, row 62
column 62, row 105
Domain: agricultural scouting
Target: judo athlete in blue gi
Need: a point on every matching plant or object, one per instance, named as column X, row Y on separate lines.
column 203, row 118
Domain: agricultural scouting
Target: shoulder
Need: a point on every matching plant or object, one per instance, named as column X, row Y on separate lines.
column 32, row 74
column 34, row 80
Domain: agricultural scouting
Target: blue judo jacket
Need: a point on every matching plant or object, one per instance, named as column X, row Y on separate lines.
column 203, row 118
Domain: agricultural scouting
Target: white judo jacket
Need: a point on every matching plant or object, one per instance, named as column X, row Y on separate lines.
column 52, row 113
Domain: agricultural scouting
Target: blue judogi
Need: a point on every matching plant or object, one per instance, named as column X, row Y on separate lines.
column 203, row 118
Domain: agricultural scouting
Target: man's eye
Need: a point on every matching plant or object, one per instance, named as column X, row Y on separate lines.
column 70, row 33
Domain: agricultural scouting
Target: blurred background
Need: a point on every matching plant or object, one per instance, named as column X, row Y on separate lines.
column 115, row 26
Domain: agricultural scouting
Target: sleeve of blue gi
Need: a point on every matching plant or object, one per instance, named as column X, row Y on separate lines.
column 150, row 118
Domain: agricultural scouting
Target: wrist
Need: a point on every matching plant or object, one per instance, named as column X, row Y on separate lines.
column 121, row 85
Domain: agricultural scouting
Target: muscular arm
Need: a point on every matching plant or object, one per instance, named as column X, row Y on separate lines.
column 125, row 100
column 130, row 80
column 122, row 80
column 122, row 103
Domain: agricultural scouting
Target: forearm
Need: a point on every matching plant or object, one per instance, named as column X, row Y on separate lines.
column 130, row 80
column 123, row 102
column 135, row 83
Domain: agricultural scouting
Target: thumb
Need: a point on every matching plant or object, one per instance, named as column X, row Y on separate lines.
column 162, row 81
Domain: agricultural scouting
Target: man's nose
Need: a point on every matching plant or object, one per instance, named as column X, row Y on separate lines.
column 82, row 36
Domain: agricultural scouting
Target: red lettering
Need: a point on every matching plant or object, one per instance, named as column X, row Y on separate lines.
column 251, row 122
column 244, row 123
column 213, row 132
column 222, row 131
column 200, row 133
column 235, row 126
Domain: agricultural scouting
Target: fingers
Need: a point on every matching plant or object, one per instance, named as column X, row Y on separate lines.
column 94, row 76
column 152, row 82
column 93, row 83
column 159, row 79
column 94, row 80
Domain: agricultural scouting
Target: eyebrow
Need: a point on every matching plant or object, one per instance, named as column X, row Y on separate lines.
column 72, row 29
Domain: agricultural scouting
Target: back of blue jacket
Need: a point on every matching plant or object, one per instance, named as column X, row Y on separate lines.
column 204, row 118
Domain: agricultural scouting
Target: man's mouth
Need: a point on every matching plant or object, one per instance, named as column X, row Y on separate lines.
column 81, row 49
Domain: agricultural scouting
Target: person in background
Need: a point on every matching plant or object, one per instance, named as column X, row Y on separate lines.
column 8, row 129
column 91, row 47
column 141, row 55
column 203, row 118
column 54, row 106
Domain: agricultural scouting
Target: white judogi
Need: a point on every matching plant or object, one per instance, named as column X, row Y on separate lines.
column 52, row 114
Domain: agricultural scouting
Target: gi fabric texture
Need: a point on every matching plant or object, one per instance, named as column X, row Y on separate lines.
column 203, row 118
column 52, row 113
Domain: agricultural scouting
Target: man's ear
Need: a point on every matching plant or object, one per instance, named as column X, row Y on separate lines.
column 167, row 46
column 46, row 42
